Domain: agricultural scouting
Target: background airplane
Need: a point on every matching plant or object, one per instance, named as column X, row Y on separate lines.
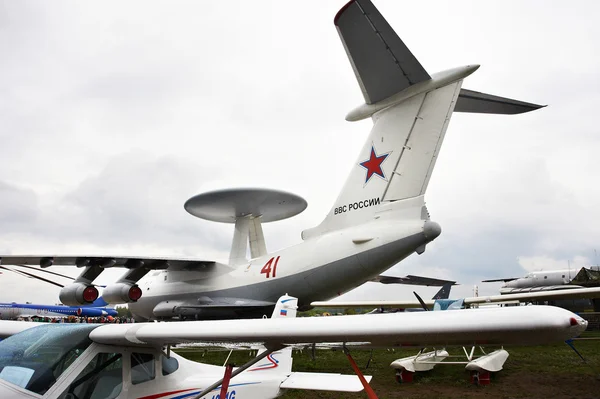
column 379, row 218
column 544, row 280
column 13, row 310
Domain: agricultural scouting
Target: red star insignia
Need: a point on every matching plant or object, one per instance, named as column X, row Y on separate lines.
column 373, row 164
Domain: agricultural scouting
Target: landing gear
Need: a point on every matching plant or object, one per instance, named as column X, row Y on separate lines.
column 403, row 375
column 480, row 377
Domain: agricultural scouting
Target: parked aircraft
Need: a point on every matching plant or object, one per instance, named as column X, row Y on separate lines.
column 378, row 219
column 10, row 311
column 540, row 280
column 119, row 361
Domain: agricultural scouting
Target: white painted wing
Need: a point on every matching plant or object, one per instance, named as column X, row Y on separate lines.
column 523, row 297
column 324, row 382
column 516, row 325
column 539, row 295
column 371, row 304
column 117, row 261
column 8, row 328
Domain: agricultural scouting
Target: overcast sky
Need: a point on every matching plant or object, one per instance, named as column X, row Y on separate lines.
column 113, row 114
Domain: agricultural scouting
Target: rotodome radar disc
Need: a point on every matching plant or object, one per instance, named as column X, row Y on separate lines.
column 226, row 206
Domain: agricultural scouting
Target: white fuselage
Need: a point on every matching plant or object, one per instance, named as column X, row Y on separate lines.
column 541, row 279
column 187, row 381
column 319, row 268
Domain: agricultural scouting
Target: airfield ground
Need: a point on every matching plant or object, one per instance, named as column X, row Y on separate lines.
column 530, row 372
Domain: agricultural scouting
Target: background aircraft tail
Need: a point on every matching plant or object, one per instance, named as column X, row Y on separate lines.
column 444, row 292
column 280, row 361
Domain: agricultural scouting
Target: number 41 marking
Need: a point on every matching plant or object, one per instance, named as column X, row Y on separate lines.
column 269, row 266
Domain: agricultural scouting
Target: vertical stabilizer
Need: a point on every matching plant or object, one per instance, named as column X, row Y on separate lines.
column 397, row 159
column 280, row 361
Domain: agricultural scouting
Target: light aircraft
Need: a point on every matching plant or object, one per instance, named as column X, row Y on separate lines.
column 13, row 310
column 541, row 280
column 378, row 219
column 119, row 361
column 480, row 366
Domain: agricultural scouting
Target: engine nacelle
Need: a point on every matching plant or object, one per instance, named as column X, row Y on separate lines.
column 91, row 312
column 122, row 293
column 78, row 294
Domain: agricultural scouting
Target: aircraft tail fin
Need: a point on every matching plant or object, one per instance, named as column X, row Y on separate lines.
column 279, row 361
column 444, row 292
column 410, row 110
column 382, row 63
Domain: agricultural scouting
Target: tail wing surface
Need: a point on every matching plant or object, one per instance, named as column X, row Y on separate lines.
column 381, row 61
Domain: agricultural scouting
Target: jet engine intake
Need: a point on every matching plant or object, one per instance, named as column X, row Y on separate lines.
column 122, row 293
column 78, row 294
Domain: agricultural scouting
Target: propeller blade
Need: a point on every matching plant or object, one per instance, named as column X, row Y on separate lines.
column 421, row 301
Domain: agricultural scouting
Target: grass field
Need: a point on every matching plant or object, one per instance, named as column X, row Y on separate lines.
column 530, row 372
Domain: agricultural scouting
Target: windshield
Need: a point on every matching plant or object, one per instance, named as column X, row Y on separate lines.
column 35, row 358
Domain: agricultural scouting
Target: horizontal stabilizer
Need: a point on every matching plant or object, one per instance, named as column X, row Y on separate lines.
column 499, row 280
column 324, row 382
column 412, row 280
column 482, row 103
column 381, row 61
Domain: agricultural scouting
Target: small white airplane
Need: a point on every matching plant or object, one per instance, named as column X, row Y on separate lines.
column 479, row 367
column 126, row 361
column 541, row 280
column 379, row 218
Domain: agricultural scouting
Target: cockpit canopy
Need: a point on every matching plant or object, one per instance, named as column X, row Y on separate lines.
column 35, row 358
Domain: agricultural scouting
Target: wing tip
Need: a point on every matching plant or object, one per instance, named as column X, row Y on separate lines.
column 341, row 11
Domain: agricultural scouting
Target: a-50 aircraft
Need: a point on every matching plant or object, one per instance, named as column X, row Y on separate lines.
column 378, row 219
column 127, row 361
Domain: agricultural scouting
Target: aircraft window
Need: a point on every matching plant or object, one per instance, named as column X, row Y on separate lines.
column 35, row 358
column 563, row 276
column 142, row 367
column 169, row 365
column 545, row 277
column 102, row 378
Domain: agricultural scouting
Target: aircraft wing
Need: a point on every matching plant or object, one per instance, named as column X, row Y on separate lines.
column 412, row 280
column 573, row 293
column 509, row 325
column 370, row 304
column 500, row 280
column 522, row 297
column 8, row 328
column 114, row 261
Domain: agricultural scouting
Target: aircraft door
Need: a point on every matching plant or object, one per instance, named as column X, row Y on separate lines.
column 102, row 378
